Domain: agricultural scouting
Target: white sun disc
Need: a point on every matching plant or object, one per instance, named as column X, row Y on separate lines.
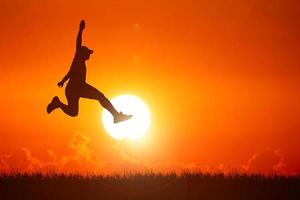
column 133, row 128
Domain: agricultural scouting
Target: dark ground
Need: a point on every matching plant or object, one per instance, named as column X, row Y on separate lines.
column 148, row 186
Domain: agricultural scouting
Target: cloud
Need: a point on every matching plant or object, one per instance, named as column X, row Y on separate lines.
column 267, row 161
column 80, row 144
column 33, row 162
column 127, row 158
column 82, row 158
column 4, row 165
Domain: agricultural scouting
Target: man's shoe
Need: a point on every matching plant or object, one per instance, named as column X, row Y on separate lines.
column 121, row 117
column 53, row 105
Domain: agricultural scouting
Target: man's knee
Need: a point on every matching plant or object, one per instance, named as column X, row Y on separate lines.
column 73, row 112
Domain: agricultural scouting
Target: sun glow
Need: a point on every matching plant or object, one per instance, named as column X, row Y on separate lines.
column 132, row 129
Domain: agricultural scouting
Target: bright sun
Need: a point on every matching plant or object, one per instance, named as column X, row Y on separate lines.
column 131, row 129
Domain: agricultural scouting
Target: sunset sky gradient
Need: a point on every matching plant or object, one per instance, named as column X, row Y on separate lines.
column 221, row 78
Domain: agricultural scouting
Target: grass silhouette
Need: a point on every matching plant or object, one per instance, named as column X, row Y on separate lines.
column 148, row 185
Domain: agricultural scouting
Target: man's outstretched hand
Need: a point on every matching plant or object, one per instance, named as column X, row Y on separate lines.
column 82, row 25
column 60, row 84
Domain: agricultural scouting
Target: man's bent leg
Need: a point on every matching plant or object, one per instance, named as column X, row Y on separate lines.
column 72, row 108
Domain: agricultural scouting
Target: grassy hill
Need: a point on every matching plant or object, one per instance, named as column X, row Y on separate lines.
column 142, row 186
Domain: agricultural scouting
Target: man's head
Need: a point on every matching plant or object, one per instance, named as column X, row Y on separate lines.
column 85, row 52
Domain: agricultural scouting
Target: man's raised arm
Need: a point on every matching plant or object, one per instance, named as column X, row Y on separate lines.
column 78, row 46
column 79, row 36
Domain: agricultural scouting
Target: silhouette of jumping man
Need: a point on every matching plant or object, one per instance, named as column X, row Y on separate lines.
column 77, row 86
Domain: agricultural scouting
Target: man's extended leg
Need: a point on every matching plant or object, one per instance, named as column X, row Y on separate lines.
column 90, row 92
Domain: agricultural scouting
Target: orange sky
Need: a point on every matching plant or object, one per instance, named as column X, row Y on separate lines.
column 221, row 78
